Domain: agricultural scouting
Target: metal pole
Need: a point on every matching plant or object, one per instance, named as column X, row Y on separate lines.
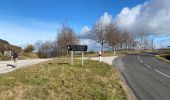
column 82, row 60
column 71, row 57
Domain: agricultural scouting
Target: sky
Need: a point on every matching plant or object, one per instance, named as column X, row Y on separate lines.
column 27, row 21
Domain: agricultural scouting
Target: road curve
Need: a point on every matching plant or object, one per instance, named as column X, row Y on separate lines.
column 147, row 76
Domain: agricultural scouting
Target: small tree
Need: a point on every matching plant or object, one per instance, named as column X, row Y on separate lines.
column 98, row 34
column 66, row 36
column 29, row 49
column 111, row 35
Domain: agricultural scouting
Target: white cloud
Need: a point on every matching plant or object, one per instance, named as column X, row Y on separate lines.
column 151, row 17
column 84, row 30
column 105, row 19
column 92, row 45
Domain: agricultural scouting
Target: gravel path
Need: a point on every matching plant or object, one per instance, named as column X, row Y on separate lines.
column 21, row 63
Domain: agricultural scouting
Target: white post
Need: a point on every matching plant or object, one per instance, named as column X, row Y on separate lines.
column 71, row 57
column 100, row 58
column 114, row 51
column 82, row 62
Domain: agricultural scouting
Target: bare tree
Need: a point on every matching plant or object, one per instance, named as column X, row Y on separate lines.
column 66, row 36
column 111, row 36
column 145, row 41
column 98, row 34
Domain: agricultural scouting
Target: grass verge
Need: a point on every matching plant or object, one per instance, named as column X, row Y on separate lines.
column 4, row 58
column 29, row 55
column 56, row 79
column 163, row 57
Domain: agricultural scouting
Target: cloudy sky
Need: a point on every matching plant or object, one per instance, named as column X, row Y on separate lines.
column 26, row 21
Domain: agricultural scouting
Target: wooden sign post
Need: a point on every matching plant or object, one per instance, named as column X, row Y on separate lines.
column 81, row 48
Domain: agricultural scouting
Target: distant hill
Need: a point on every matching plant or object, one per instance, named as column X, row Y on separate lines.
column 4, row 41
column 6, row 46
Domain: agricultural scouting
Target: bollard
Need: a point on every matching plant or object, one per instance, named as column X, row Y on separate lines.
column 114, row 51
column 100, row 58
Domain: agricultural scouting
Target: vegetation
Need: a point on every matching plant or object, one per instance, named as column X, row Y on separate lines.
column 29, row 49
column 4, row 41
column 167, row 56
column 163, row 54
column 110, row 36
column 5, row 46
column 26, row 55
column 3, row 58
column 65, row 36
column 58, row 80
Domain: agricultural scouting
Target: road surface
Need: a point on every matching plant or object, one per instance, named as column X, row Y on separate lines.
column 21, row 63
column 147, row 76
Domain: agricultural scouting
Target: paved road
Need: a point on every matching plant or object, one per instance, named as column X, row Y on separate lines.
column 147, row 76
column 21, row 63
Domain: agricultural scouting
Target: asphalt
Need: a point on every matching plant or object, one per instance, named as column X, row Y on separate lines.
column 147, row 77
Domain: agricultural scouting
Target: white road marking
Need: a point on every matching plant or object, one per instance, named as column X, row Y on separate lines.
column 147, row 65
column 141, row 61
column 154, row 70
column 162, row 73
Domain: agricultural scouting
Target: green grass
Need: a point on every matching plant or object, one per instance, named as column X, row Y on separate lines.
column 29, row 55
column 4, row 58
column 58, row 80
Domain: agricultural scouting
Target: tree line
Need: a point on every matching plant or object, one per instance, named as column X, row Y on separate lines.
column 107, row 35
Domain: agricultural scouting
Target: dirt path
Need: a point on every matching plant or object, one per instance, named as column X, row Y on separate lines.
column 21, row 63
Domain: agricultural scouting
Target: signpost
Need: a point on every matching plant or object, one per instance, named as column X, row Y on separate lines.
column 81, row 48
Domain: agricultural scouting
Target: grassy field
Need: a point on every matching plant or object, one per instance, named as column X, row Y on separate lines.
column 3, row 58
column 164, row 54
column 58, row 80
column 105, row 54
column 164, row 57
column 29, row 55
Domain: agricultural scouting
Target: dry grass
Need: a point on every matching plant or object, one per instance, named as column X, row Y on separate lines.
column 163, row 57
column 4, row 58
column 29, row 55
column 58, row 80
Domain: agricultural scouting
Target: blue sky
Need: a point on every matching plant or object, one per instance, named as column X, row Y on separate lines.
column 26, row 21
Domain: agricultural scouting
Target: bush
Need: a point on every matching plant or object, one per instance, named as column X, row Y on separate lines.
column 29, row 49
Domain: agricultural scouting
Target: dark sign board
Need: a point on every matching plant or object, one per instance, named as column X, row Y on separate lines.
column 77, row 47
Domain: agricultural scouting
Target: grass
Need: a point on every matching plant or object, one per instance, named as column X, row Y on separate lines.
column 56, row 79
column 29, row 55
column 105, row 54
column 4, row 58
column 164, row 57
